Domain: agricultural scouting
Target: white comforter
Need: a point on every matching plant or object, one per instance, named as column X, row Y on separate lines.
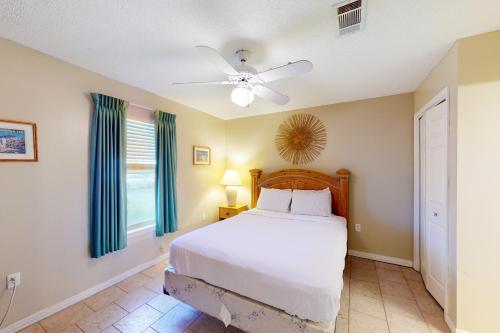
column 291, row 262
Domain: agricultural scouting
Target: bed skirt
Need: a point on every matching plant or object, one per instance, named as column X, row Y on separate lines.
column 232, row 309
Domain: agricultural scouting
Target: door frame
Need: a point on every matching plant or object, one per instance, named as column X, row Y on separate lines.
column 443, row 95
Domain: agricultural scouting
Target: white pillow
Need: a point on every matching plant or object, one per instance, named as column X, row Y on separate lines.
column 310, row 202
column 274, row 199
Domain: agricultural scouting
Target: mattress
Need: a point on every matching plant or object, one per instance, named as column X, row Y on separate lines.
column 291, row 262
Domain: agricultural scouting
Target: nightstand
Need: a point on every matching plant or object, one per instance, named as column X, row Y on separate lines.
column 227, row 212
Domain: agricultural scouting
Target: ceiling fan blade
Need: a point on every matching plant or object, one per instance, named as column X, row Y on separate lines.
column 216, row 59
column 201, row 83
column 270, row 95
column 292, row 69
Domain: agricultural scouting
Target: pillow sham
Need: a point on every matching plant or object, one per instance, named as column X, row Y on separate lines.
column 274, row 199
column 312, row 202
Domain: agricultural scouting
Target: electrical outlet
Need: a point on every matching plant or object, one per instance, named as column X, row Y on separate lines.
column 357, row 227
column 13, row 279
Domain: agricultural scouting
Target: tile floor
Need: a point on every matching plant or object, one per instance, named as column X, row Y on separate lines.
column 377, row 297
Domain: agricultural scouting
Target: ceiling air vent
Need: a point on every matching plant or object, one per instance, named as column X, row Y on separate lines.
column 350, row 16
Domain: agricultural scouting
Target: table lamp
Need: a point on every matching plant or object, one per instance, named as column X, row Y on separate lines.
column 232, row 180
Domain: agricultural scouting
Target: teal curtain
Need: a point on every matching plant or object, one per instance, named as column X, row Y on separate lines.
column 166, row 173
column 108, row 210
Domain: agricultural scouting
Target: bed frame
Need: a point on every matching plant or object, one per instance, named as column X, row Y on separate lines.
column 245, row 313
column 299, row 179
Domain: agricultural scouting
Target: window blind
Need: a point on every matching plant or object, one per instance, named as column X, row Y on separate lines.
column 140, row 143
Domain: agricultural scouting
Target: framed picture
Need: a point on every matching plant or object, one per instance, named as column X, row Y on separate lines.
column 201, row 155
column 17, row 141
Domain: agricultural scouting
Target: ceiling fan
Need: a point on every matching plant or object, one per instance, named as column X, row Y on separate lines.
column 247, row 82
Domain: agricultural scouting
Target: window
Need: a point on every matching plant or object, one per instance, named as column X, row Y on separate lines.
column 140, row 174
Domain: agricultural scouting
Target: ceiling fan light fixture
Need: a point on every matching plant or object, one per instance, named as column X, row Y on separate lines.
column 247, row 81
column 242, row 96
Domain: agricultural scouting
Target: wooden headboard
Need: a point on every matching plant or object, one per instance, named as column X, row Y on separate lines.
column 306, row 180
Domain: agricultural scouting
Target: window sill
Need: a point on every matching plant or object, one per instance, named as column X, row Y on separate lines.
column 139, row 234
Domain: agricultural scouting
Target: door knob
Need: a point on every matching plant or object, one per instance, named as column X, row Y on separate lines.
column 435, row 214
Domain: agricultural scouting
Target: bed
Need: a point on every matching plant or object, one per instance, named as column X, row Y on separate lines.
column 264, row 271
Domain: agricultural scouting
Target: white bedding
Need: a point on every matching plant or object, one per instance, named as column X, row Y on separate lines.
column 291, row 262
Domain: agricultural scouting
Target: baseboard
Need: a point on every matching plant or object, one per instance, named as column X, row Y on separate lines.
column 37, row 316
column 451, row 325
column 378, row 257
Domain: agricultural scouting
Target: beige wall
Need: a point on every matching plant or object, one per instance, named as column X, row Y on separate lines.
column 372, row 138
column 478, row 183
column 43, row 205
column 471, row 71
column 445, row 75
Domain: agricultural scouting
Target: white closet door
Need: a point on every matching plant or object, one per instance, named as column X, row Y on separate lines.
column 434, row 212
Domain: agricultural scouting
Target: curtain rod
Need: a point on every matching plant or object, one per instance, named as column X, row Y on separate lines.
column 141, row 106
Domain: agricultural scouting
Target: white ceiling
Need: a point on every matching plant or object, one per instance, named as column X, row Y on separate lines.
column 150, row 44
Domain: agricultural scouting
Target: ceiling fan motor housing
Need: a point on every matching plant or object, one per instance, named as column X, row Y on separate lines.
column 243, row 55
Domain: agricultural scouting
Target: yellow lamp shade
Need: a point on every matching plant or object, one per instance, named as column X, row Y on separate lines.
column 231, row 178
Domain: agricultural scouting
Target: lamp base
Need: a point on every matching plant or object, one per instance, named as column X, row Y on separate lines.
column 231, row 193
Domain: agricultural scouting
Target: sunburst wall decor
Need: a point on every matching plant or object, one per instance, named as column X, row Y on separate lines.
column 301, row 138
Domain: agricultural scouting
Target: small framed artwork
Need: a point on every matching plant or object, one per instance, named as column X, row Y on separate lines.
column 201, row 155
column 17, row 141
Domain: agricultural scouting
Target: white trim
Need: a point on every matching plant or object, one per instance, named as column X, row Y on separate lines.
column 451, row 325
column 141, row 106
column 139, row 234
column 378, row 257
column 37, row 316
column 416, row 189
